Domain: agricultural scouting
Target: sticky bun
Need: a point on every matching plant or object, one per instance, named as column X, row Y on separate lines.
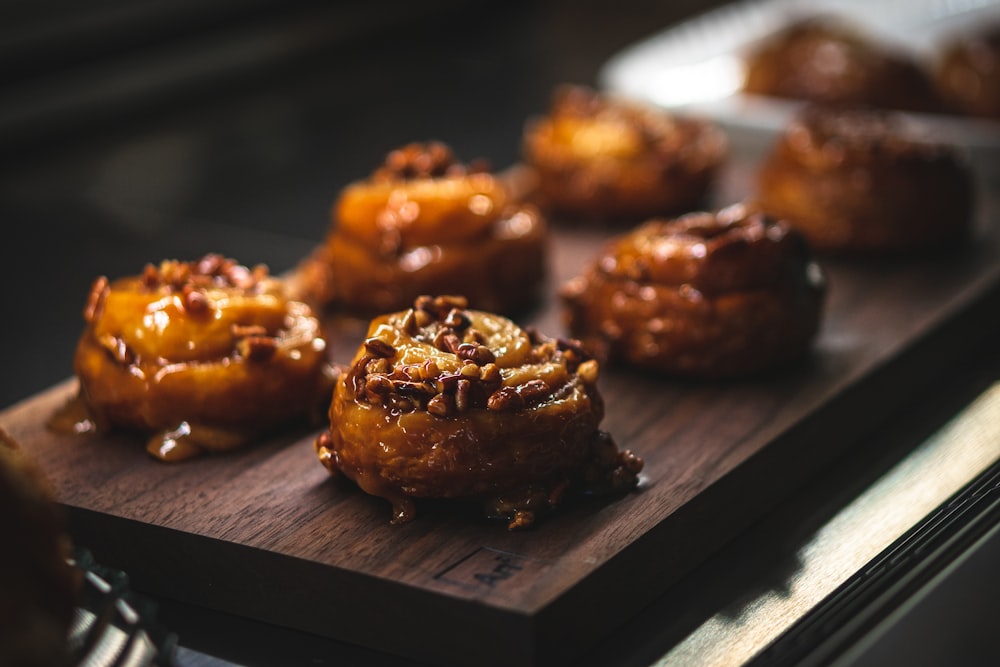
column 424, row 222
column 205, row 355
column 705, row 295
column 967, row 73
column 604, row 157
column 828, row 60
column 39, row 585
column 858, row 181
column 442, row 401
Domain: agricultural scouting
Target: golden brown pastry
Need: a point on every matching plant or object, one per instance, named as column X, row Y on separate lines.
column 865, row 181
column 204, row 355
column 967, row 73
column 604, row 157
column 425, row 223
column 822, row 59
column 705, row 295
column 38, row 586
column 446, row 402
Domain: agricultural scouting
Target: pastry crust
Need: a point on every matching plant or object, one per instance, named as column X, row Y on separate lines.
column 706, row 295
column 819, row 59
column 446, row 402
column 204, row 355
column 603, row 157
column 858, row 181
column 424, row 223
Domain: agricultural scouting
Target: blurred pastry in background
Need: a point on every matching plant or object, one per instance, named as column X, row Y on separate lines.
column 967, row 73
column 425, row 223
column 827, row 59
column 707, row 295
column 38, row 586
column 602, row 157
column 861, row 180
column 443, row 401
column 204, row 356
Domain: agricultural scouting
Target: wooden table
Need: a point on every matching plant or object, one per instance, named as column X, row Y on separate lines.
column 266, row 534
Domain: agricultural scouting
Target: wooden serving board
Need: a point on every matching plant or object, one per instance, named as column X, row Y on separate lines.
column 266, row 533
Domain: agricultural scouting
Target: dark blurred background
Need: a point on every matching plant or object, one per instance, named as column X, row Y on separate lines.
column 136, row 131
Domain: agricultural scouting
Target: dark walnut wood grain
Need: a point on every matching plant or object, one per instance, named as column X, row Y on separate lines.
column 266, row 533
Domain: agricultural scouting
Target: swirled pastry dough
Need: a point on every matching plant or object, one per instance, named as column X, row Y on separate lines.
column 706, row 295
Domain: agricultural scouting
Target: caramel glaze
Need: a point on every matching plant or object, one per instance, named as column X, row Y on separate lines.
column 967, row 73
column 858, row 180
column 706, row 295
column 425, row 223
column 823, row 60
column 446, row 402
column 204, row 355
column 598, row 156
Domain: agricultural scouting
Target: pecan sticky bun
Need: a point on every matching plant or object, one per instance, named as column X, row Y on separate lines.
column 604, row 157
column 204, row 355
column 706, row 295
column 446, row 402
column 826, row 60
column 422, row 223
column 967, row 72
column 865, row 181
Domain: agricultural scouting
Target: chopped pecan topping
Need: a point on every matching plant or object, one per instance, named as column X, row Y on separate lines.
column 441, row 405
column 490, row 373
column 378, row 384
column 457, row 320
column 122, row 353
column 477, row 381
column 462, row 395
column 95, row 299
column 150, row 276
column 210, row 264
column 422, row 318
column 409, row 323
column 380, row 365
column 478, row 354
column 588, row 371
column 379, row 348
column 412, row 388
column 194, row 300
column 211, row 270
column 448, row 383
column 447, row 341
column 518, row 397
column 433, row 159
column 439, row 307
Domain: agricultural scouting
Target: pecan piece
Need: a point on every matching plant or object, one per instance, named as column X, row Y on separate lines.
column 379, row 348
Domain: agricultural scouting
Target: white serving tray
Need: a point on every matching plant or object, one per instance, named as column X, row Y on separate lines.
column 697, row 66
